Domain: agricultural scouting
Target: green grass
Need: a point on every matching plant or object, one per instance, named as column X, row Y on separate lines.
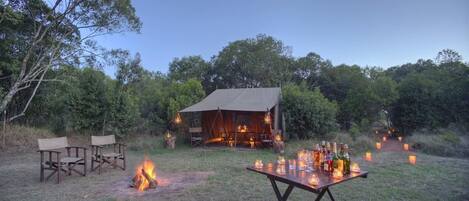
column 390, row 177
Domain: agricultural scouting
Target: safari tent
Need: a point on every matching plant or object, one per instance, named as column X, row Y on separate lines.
column 240, row 116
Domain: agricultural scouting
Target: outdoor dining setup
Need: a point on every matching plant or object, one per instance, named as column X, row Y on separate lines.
column 314, row 170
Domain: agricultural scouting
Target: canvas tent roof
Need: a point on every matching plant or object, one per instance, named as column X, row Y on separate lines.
column 242, row 99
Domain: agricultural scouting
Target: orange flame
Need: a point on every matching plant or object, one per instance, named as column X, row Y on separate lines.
column 149, row 168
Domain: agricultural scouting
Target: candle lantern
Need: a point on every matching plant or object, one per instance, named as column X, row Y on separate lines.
column 368, row 156
column 412, row 159
column 313, row 180
column 301, row 165
column 278, row 137
column 378, row 146
column 384, row 138
column 251, row 142
column 355, row 168
column 376, row 132
column 258, row 164
column 267, row 118
column 399, row 138
column 292, row 164
column 406, row 147
column 281, row 160
column 337, row 174
column 231, row 142
column 280, row 170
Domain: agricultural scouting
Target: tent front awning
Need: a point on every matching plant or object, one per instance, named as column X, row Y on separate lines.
column 242, row 99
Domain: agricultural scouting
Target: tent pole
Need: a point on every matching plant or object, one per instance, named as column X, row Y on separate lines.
column 213, row 122
column 276, row 118
column 223, row 121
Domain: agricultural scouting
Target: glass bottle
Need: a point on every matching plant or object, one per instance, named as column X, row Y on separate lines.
column 347, row 161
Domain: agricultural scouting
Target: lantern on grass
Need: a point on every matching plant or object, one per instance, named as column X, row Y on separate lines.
column 376, row 132
column 313, row 180
column 355, row 168
column 384, row 138
column 258, row 164
column 412, row 159
column 399, row 138
column 178, row 119
column 278, row 137
column 231, row 142
column 406, row 147
column 368, row 156
column 378, row 146
column 267, row 117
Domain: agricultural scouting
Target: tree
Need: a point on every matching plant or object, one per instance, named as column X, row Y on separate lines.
column 259, row 62
column 183, row 95
column 309, row 69
column 448, row 56
column 191, row 67
column 50, row 35
column 308, row 113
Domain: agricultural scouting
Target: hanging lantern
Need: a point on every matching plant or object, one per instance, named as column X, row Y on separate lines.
column 378, row 146
column 406, row 147
column 267, row 118
column 412, row 159
column 368, row 156
column 313, row 180
column 178, row 119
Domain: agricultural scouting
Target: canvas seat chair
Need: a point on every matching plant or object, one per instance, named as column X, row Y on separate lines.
column 105, row 150
column 56, row 162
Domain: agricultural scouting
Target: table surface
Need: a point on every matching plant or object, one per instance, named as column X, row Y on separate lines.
column 300, row 178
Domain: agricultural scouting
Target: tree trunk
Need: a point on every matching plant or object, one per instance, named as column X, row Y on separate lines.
column 7, row 98
column 4, row 132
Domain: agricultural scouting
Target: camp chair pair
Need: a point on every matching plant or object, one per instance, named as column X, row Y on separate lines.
column 100, row 145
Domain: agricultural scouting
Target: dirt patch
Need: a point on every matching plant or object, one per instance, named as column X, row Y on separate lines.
column 168, row 185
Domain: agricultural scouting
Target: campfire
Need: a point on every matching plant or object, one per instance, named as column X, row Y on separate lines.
column 145, row 176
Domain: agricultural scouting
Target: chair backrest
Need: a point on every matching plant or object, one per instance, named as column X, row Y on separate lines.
column 103, row 140
column 52, row 143
column 195, row 130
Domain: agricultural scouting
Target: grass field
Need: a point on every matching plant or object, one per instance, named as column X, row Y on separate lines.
column 390, row 177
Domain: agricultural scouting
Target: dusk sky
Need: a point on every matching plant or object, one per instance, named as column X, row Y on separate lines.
column 366, row 32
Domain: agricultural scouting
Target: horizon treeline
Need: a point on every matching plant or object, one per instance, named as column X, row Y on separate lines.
column 318, row 97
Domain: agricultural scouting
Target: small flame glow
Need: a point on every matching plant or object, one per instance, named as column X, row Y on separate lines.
column 149, row 167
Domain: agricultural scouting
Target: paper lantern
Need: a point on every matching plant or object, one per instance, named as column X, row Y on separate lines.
column 368, row 156
column 313, row 180
column 355, row 168
column 384, row 138
column 406, row 147
column 399, row 138
column 258, row 164
column 412, row 159
column 378, row 146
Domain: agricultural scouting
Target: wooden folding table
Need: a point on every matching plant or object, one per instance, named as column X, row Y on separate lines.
column 299, row 179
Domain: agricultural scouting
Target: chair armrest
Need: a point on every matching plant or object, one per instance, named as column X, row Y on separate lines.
column 77, row 147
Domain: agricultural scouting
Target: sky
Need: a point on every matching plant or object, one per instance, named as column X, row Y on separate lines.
column 364, row 32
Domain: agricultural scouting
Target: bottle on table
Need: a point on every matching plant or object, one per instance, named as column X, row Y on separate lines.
column 347, row 161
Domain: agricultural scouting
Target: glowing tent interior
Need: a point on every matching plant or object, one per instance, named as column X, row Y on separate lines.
column 240, row 116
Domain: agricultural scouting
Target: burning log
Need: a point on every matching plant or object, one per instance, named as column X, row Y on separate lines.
column 145, row 177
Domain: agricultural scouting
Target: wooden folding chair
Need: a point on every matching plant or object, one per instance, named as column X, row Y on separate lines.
column 56, row 165
column 104, row 149
column 196, row 136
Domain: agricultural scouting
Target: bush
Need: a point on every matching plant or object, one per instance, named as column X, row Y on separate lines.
column 307, row 112
column 441, row 143
column 21, row 138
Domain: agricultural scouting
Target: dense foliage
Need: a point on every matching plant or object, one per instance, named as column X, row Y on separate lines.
column 318, row 97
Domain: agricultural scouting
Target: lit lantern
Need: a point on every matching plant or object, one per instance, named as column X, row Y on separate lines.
column 258, row 164
column 251, row 142
column 313, row 180
column 337, row 174
column 270, row 166
column 301, row 155
column 278, row 137
column 378, row 145
column 168, row 135
column 389, row 132
column 301, row 165
column 281, row 160
column 178, row 119
column 384, row 138
column 368, row 156
column 280, row 169
column 355, row 168
column 406, row 147
column 412, row 159
column 376, row 132
column 267, row 118
column 231, row 142
column 399, row 138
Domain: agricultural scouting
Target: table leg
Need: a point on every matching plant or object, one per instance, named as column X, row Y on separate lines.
column 330, row 194
column 321, row 194
column 285, row 195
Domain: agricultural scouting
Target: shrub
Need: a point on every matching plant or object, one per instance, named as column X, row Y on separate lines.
column 441, row 143
column 307, row 112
